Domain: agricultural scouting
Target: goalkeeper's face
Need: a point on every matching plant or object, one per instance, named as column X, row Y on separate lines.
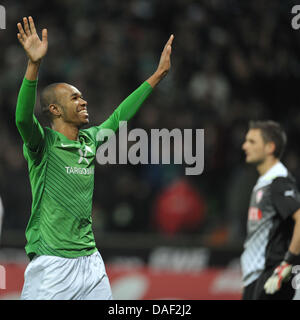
column 256, row 149
column 73, row 108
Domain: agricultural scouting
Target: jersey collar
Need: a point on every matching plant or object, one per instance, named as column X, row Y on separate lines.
column 278, row 170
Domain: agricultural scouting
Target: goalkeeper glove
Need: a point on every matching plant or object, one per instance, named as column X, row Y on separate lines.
column 281, row 274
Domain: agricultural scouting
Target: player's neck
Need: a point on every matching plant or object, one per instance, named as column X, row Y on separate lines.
column 265, row 166
column 69, row 131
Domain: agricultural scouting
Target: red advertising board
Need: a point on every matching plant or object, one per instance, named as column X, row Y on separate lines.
column 144, row 283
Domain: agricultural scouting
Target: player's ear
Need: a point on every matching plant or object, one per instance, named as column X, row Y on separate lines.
column 55, row 110
column 270, row 147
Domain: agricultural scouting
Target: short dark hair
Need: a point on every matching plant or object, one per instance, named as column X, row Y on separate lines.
column 271, row 131
column 48, row 96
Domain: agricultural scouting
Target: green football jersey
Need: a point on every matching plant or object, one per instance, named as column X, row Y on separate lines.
column 62, row 183
column 61, row 173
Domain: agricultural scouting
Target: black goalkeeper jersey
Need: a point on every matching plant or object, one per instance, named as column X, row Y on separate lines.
column 275, row 198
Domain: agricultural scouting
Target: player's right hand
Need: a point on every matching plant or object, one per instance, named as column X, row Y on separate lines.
column 29, row 39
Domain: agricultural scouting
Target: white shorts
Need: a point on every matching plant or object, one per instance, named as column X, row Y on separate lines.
column 56, row 278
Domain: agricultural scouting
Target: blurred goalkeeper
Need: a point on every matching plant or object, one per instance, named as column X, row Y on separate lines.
column 64, row 261
column 272, row 244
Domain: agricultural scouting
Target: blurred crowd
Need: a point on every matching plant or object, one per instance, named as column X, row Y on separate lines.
column 232, row 61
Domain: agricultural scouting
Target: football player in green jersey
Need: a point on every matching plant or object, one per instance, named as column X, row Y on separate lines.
column 64, row 260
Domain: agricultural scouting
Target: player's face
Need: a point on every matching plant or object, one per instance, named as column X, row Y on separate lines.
column 255, row 148
column 73, row 106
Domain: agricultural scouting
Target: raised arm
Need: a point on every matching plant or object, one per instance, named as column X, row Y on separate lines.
column 127, row 109
column 27, row 124
column 164, row 64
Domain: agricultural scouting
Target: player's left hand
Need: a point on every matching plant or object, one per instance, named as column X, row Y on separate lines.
column 281, row 274
column 165, row 58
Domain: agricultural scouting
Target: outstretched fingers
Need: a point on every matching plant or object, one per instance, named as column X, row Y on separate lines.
column 168, row 47
column 34, row 47
column 20, row 39
column 28, row 30
column 26, row 26
column 169, row 42
column 44, row 35
column 32, row 26
column 21, row 35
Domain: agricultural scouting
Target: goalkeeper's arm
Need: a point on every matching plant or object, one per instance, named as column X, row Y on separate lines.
column 283, row 272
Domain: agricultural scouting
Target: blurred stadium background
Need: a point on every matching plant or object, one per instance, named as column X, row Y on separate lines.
column 162, row 234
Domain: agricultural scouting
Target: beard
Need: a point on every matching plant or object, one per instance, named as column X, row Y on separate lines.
column 255, row 162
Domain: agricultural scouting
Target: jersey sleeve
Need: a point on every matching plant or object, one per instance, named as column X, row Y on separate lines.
column 28, row 126
column 285, row 196
column 124, row 112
